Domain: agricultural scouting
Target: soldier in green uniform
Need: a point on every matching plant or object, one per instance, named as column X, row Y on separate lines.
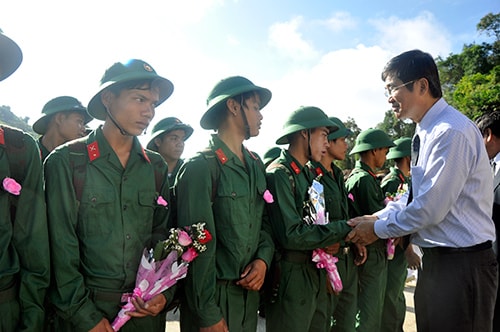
column 102, row 193
column 24, row 243
column 168, row 138
column 301, row 301
column 366, row 197
column 63, row 119
column 224, row 186
column 344, row 306
column 394, row 185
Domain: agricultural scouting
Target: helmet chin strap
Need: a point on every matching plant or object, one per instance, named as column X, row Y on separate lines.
column 122, row 131
column 245, row 120
column 309, row 152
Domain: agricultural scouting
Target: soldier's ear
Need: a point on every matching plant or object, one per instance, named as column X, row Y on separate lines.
column 106, row 98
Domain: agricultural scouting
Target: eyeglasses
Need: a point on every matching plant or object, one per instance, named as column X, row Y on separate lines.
column 389, row 90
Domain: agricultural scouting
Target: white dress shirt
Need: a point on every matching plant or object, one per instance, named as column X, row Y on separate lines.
column 452, row 187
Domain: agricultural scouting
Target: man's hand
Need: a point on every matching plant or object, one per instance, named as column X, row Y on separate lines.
column 253, row 276
column 332, row 249
column 150, row 308
column 363, row 232
column 220, row 326
column 102, row 326
column 412, row 258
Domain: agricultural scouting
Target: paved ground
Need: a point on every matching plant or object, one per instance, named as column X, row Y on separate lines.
column 409, row 325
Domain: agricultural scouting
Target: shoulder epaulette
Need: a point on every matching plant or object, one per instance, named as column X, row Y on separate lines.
column 93, row 150
column 295, row 168
column 221, row 156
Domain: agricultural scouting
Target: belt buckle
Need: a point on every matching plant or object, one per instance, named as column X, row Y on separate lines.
column 346, row 250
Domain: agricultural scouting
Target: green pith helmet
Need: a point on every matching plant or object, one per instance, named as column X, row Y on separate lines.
column 305, row 117
column 132, row 70
column 11, row 56
column 166, row 125
column 271, row 154
column 371, row 139
column 225, row 89
column 56, row 105
column 343, row 131
column 402, row 148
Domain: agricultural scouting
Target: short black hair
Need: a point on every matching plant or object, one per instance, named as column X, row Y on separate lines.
column 489, row 120
column 413, row 65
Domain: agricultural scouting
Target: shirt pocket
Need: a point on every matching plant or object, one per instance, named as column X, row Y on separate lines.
column 146, row 200
column 98, row 211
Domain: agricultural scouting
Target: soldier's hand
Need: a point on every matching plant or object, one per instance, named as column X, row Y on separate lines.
column 412, row 258
column 332, row 249
column 253, row 276
column 360, row 255
column 220, row 326
column 102, row 326
column 150, row 308
column 355, row 221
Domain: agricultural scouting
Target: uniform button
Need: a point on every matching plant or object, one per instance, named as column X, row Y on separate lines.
column 93, row 199
column 125, row 207
column 250, row 226
column 125, row 178
column 233, row 194
column 128, row 236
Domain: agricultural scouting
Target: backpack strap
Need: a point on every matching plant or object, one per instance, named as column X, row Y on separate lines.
column 15, row 146
column 158, row 168
column 213, row 165
column 78, row 159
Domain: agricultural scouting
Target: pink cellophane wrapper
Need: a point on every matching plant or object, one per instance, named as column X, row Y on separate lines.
column 327, row 262
column 391, row 248
column 152, row 279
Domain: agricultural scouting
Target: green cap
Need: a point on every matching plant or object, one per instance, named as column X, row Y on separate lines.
column 11, row 56
column 56, row 105
column 167, row 125
column 225, row 89
column 343, row 131
column 305, row 117
column 371, row 139
column 271, row 154
column 402, row 148
column 132, row 70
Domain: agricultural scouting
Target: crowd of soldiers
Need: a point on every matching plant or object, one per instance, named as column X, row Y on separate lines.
column 79, row 206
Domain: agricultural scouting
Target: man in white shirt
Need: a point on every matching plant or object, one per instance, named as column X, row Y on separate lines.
column 448, row 210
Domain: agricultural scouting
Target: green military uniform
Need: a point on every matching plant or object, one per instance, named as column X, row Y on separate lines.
column 302, row 300
column 345, row 305
column 97, row 242
column 367, row 198
column 44, row 152
column 230, row 201
column 24, row 244
column 393, row 314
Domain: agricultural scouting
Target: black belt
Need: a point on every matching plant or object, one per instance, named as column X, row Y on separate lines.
column 8, row 294
column 115, row 297
column 299, row 257
column 451, row 250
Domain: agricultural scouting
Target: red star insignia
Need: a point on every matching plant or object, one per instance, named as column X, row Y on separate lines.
column 93, row 151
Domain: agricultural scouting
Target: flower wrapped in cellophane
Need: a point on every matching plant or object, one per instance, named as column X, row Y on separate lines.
column 162, row 266
column 317, row 215
column 394, row 197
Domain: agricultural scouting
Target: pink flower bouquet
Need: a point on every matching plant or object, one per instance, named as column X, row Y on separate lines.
column 162, row 266
column 320, row 217
column 391, row 248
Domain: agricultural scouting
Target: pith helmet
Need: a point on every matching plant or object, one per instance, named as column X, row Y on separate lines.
column 225, row 89
column 132, row 70
column 371, row 139
column 402, row 148
column 305, row 117
column 56, row 105
column 11, row 56
column 271, row 154
column 343, row 131
column 166, row 125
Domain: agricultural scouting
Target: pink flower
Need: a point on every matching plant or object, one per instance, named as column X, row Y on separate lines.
column 161, row 201
column 268, row 197
column 11, row 186
column 189, row 255
column 351, row 197
column 184, row 238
